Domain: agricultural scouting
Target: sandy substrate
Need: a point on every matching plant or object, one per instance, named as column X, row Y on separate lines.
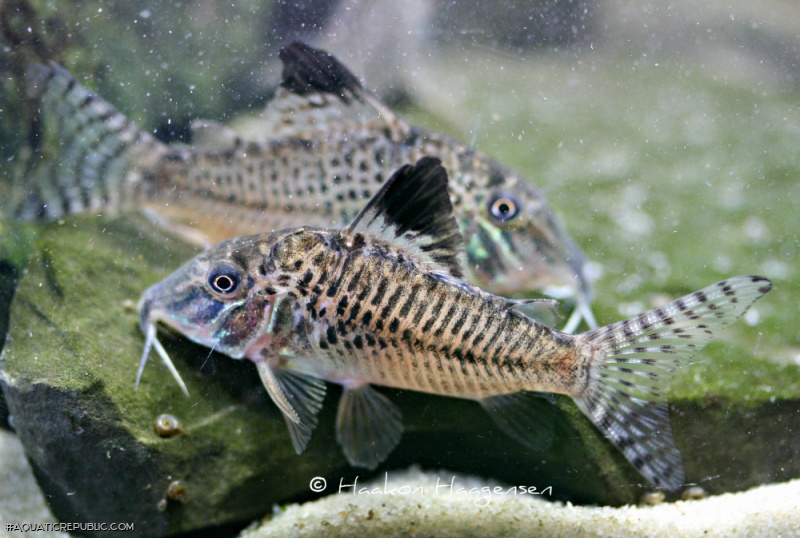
column 416, row 503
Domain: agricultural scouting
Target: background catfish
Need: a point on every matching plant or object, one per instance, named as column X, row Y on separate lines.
column 331, row 145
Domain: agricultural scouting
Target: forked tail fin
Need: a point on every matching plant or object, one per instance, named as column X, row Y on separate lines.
column 636, row 360
column 92, row 157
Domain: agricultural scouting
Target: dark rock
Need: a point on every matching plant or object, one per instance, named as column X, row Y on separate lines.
column 732, row 445
column 14, row 249
column 8, row 285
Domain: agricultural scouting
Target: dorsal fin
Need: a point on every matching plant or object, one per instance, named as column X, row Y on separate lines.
column 309, row 70
column 413, row 211
column 319, row 95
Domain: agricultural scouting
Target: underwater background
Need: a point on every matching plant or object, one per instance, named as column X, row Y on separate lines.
column 665, row 136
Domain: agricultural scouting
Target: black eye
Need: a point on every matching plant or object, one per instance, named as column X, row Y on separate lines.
column 224, row 279
column 503, row 207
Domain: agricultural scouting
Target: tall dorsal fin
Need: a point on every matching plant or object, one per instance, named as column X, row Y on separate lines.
column 309, row 70
column 319, row 95
column 413, row 211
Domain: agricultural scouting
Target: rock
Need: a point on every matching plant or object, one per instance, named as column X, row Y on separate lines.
column 8, row 285
column 14, row 248
column 447, row 504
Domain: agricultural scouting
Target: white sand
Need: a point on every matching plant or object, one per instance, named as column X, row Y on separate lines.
column 419, row 509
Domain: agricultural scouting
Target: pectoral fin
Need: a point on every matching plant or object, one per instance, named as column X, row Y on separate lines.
column 298, row 396
column 368, row 426
column 526, row 417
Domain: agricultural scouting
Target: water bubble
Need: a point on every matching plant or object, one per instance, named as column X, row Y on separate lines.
column 752, row 317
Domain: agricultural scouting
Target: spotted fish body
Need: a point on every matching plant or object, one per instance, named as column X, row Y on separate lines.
column 331, row 146
column 382, row 302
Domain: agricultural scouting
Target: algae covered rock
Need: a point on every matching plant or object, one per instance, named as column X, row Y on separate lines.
column 8, row 285
column 68, row 377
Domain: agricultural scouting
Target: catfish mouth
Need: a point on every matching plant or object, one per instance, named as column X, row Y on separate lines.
column 226, row 322
column 148, row 327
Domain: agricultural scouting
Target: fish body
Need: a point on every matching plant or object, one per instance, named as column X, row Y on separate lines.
column 331, row 147
column 382, row 302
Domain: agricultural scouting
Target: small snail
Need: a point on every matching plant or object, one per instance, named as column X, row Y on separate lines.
column 168, row 426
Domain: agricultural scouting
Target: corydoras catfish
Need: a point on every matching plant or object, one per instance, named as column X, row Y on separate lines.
column 331, row 145
column 382, row 302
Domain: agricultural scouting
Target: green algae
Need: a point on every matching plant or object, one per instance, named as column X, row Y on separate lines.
column 15, row 244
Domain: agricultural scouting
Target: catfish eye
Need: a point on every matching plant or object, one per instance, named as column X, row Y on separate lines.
column 503, row 207
column 224, row 279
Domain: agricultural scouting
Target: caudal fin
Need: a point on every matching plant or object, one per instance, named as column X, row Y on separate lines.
column 91, row 158
column 636, row 360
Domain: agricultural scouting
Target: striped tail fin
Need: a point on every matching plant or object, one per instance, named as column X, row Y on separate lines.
column 635, row 361
column 91, row 158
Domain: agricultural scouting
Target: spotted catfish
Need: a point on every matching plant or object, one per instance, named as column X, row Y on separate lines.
column 330, row 146
column 382, row 302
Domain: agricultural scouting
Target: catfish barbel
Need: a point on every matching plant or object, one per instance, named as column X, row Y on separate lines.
column 331, row 145
column 382, row 302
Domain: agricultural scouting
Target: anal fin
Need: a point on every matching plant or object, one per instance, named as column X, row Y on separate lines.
column 368, row 426
column 298, row 396
column 526, row 417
